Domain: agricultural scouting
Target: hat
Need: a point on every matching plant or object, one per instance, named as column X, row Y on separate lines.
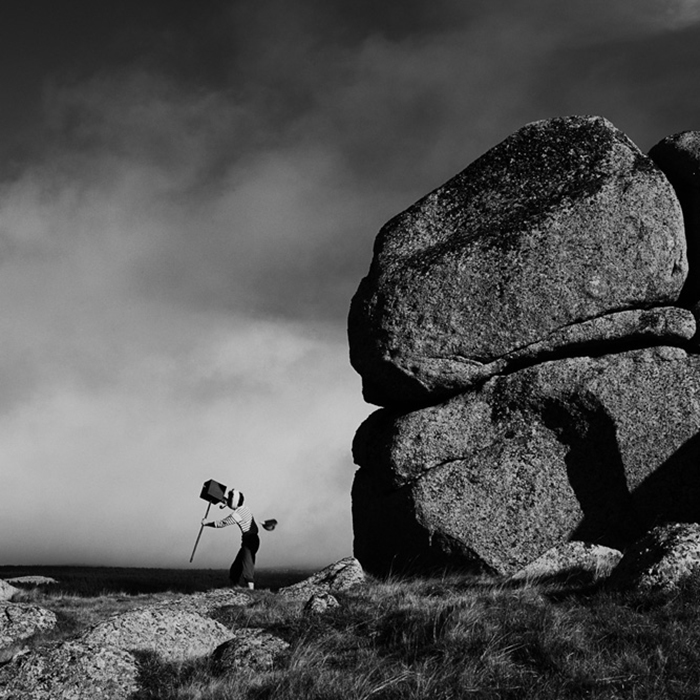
column 234, row 499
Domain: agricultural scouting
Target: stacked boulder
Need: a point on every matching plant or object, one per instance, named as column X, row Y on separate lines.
column 521, row 326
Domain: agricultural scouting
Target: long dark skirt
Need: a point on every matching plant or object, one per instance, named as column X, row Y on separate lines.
column 243, row 568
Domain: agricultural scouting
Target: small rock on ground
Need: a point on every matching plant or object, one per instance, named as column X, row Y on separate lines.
column 252, row 648
column 6, row 590
column 320, row 603
column 593, row 561
column 341, row 576
column 175, row 635
column 204, row 603
column 20, row 621
column 32, row 580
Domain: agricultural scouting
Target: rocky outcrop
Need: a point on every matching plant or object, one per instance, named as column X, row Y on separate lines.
column 662, row 560
column 252, row 649
column 104, row 663
column 678, row 156
column 592, row 449
column 72, row 670
column 341, row 576
column 563, row 223
column 522, row 327
column 173, row 635
column 586, row 561
column 19, row 621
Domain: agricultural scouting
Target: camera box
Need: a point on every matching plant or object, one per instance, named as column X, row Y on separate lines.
column 213, row 492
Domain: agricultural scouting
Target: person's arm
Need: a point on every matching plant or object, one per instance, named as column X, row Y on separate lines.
column 228, row 520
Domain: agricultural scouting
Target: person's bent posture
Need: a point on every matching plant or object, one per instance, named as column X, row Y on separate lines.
column 242, row 571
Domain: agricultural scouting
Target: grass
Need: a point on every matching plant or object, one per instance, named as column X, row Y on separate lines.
column 442, row 638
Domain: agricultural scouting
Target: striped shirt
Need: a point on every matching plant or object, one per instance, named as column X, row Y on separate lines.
column 241, row 516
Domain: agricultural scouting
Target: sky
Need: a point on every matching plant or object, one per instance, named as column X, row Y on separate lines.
column 189, row 194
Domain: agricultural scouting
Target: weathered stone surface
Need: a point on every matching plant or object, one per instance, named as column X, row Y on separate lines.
column 572, row 558
column 174, row 635
column 669, row 325
column 563, row 222
column 204, row 603
column 678, row 156
column 661, row 560
column 251, row 648
column 6, row 590
column 621, row 330
column 590, row 449
column 71, row 671
column 19, row 621
column 320, row 603
column 341, row 576
column 104, row 662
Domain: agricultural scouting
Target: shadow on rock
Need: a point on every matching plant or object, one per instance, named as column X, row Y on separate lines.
column 595, row 471
column 672, row 492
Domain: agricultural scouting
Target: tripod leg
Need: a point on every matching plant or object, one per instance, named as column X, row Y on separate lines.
column 201, row 527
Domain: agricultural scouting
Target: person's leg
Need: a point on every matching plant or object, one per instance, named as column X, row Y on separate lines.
column 248, row 568
column 249, row 547
column 235, row 574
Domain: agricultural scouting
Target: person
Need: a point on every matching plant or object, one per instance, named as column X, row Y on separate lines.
column 242, row 571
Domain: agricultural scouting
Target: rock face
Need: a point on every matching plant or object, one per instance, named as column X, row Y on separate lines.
column 341, row 576
column 19, row 621
column 591, row 449
column 661, row 560
column 678, row 156
column 563, row 223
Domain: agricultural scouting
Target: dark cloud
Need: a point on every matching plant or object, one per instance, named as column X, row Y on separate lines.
column 643, row 84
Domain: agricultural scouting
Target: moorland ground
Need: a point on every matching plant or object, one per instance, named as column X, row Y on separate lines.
column 445, row 637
